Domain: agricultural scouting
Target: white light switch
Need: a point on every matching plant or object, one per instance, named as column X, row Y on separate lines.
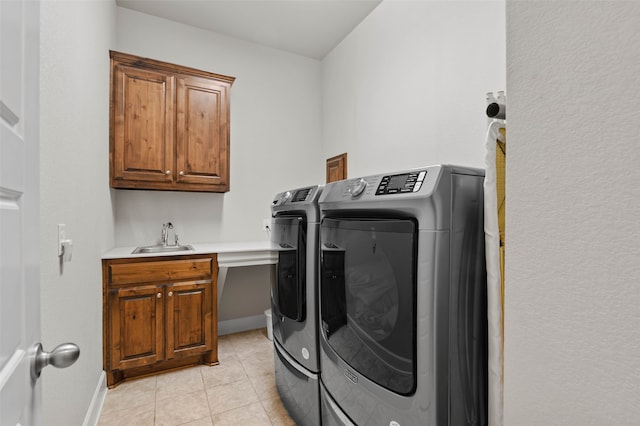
column 67, row 250
column 61, row 237
column 65, row 246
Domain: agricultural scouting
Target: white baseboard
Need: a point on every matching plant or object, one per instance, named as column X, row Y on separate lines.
column 95, row 407
column 241, row 324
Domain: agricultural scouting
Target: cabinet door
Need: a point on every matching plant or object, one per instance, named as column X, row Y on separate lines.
column 136, row 326
column 143, row 123
column 203, row 133
column 189, row 319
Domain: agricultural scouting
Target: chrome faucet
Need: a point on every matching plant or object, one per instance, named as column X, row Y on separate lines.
column 165, row 233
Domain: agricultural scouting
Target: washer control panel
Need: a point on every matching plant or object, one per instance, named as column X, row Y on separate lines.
column 401, row 183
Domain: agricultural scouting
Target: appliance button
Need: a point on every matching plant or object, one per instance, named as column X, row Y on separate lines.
column 421, row 176
column 417, row 187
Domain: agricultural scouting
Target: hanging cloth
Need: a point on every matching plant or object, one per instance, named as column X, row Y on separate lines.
column 494, row 226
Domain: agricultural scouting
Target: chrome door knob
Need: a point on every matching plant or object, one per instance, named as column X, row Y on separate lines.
column 62, row 356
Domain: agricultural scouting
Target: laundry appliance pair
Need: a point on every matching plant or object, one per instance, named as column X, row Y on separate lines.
column 396, row 295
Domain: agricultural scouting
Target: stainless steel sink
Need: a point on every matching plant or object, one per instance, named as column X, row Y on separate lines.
column 161, row 249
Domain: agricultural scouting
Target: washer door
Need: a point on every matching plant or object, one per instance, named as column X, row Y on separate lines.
column 368, row 287
column 288, row 292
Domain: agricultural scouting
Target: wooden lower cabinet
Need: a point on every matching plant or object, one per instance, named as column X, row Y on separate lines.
column 136, row 327
column 159, row 314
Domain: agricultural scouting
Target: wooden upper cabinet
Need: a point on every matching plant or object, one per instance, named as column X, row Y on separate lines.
column 169, row 126
column 143, row 125
column 203, row 128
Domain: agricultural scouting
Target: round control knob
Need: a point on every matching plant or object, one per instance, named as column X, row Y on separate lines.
column 358, row 187
column 284, row 197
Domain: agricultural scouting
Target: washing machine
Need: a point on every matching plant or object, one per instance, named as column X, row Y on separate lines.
column 403, row 338
column 294, row 232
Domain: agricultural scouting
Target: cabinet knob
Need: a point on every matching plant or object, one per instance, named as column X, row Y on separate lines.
column 159, row 295
column 181, row 173
column 168, row 172
column 170, row 293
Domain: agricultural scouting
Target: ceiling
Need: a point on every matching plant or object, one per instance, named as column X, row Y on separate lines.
column 310, row 28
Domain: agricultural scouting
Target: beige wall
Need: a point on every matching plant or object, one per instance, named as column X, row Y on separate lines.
column 74, row 190
column 275, row 133
column 275, row 145
column 407, row 88
column 572, row 325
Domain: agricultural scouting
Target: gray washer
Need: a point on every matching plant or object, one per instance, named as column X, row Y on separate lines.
column 294, row 231
column 403, row 299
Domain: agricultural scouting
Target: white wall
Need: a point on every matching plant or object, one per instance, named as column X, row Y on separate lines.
column 275, row 145
column 573, row 253
column 275, row 133
column 407, row 87
column 74, row 189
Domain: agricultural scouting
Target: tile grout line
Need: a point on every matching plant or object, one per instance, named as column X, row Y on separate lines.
column 206, row 395
column 257, row 394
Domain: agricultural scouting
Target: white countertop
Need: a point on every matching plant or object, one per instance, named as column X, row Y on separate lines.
column 250, row 253
column 238, row 248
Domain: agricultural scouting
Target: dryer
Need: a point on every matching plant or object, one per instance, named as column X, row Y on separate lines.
column 294, row 233
column 403, row 299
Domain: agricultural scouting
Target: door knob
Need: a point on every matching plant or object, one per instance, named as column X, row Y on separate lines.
column 62, row 356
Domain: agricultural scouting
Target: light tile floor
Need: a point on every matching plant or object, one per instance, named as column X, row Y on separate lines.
column 241, row 390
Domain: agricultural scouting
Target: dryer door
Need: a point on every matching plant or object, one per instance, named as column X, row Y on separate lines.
column 288, row 292
column 368, row 306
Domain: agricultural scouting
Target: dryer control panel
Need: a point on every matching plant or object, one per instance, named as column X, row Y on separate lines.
column 401, row 183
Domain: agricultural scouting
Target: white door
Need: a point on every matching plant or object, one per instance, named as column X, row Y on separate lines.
column 19, row 212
